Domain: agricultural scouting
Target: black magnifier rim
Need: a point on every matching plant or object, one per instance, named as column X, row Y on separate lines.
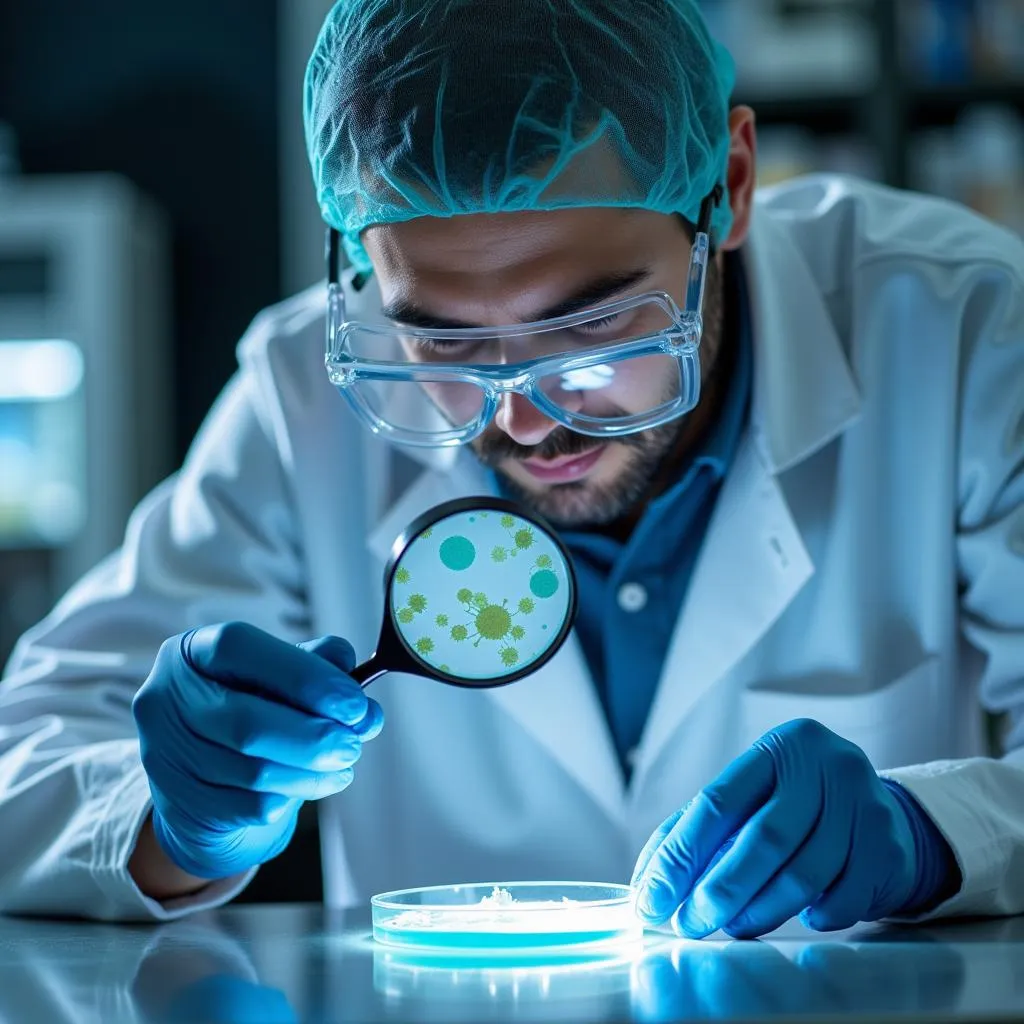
column 391, row 633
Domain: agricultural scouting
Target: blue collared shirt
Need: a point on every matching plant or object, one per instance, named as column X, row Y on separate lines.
column 630, row 593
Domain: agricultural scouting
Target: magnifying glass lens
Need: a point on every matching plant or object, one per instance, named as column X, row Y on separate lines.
column 480, row 592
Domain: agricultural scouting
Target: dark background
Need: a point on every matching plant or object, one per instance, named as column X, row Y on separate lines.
column 181, row 98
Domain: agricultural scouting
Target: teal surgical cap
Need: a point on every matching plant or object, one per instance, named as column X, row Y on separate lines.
column 434, row 108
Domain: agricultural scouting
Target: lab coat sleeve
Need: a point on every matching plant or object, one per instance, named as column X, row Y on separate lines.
column 215, row 542
column 978, row 803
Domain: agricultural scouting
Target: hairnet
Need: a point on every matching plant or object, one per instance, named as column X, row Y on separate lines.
column 443, row 107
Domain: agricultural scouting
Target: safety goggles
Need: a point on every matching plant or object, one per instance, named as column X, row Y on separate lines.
column 619, row 368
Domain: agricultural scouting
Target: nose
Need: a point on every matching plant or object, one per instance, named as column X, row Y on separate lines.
column 518, row 417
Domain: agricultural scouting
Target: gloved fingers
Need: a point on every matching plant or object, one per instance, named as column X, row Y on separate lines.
column 706, row 823
column 811, row 870
column 652, row 844
column 846, row 901
column 335, row 650
column 260, row 729
column 370, row 727
column 763, row 846
column 198, row 806
column 249, row 659
column 267, row 777
column 210, row 762
column 339, row 652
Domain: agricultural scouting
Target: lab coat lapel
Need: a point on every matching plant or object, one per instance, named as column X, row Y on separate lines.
column 753, row 561
column 556, row 705
column 752, row 564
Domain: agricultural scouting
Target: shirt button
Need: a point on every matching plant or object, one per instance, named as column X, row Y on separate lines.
column 632, row 597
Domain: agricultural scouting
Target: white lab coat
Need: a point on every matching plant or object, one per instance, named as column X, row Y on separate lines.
column 864, row 567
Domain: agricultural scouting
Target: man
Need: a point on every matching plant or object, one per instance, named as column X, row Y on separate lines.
column 799, row 594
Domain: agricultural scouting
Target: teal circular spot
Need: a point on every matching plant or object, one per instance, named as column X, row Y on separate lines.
column 457, row 553
column 545, row 626
column 544, row 583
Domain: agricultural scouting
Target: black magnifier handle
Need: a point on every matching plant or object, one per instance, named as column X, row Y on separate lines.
column 371, row 669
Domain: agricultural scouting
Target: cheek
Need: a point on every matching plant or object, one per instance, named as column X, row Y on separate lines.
column 638, row 386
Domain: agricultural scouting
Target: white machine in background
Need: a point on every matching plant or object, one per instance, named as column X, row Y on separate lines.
column 85, row 379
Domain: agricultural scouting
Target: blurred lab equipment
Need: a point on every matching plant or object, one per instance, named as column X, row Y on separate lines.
column 957, row 41
column 84, row 384
column 979, row 162
column 783, row 48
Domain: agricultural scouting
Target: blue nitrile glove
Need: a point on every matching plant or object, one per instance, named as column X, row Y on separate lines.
column 798, row 824
column 237, row 729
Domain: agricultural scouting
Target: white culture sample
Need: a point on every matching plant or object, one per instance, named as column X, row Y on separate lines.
column 499, row 900
column 514, row 915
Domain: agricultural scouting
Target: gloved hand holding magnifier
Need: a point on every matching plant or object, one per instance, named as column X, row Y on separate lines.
column 479, row 593
column 237, row 727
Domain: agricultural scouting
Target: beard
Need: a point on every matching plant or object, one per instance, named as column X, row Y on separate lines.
column 650, row 455
column 583, row 502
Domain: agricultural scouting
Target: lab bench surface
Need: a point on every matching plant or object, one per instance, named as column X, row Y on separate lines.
column 268, row 964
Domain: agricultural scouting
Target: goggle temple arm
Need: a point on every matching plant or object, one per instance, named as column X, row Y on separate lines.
column 701, row 252
column 335, row 293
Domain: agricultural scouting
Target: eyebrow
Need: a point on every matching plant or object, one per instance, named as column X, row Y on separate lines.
column 404, row 311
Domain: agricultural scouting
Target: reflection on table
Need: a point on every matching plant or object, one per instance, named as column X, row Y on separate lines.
column 301, row 963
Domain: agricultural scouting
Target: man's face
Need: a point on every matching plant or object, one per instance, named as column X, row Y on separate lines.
column 494, row 269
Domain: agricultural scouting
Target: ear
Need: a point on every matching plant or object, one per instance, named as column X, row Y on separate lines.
column 741, row 176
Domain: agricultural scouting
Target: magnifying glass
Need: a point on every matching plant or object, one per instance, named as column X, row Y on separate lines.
column 479, row 593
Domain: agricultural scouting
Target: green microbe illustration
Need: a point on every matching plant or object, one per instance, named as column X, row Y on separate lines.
column 543, row 562
column 524, row 539
column 427, row 532
column 494, row 622
column 498, row 554
column 490, row 620
column 509, row 656
column 402, row 575
column 441, row 620
column 457, row 553
column 405, row 615
column 445, row 668
column 464, row 595
column 417, row 602
column 424, row 645
column 507, row 521
column 544, row 583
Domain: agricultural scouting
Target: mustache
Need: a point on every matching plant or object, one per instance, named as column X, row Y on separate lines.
column 492, row 449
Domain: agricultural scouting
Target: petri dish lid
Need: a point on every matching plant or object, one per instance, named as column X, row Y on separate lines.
column 497, row 917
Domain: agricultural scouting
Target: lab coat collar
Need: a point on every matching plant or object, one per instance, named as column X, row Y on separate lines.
column 804, row 397
column 804, row 390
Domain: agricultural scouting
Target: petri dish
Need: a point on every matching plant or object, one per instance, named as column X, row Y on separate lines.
column 504, row 917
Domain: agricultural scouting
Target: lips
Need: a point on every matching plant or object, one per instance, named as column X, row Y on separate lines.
column 567, row 468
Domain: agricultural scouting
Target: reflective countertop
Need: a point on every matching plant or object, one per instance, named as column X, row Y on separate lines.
column 275, row 964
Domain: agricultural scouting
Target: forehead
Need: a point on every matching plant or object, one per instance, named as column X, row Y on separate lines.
column 499, row 255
